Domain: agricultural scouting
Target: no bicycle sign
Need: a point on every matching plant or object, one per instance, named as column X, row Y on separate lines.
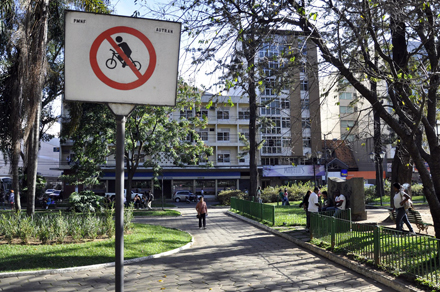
column 114, row 59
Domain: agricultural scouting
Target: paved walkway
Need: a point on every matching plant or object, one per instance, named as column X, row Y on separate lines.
column 230, row 255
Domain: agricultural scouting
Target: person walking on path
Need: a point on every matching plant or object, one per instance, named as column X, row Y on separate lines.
column 259, row 195
column 286, row 198
column 150, row 200
column 400, row 198
column 313, row 203
column 281, row 196
column 12, row 199
column 202, row 212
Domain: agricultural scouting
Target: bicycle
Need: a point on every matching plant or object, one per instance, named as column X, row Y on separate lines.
column 111, row 62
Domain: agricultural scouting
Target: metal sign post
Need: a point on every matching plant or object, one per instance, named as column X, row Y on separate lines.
column 121, row 111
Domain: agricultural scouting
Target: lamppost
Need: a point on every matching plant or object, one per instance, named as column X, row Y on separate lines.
column 317, row 157
column 325, row 150
column 377, row 158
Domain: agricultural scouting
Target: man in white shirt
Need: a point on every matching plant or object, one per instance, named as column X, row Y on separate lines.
column 340, row 203
column 313, row 205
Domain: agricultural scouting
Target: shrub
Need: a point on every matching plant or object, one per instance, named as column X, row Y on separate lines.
column 370, row 194
column 109, row 223
column 61, row 227
column 128, row 217
column 224, row 197
column 85, row 201
column 26, row 229
column 296, row 192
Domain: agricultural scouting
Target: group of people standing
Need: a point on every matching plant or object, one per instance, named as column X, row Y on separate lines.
column 312, row 203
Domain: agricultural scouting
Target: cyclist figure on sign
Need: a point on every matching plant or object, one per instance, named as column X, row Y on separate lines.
column 125, row 48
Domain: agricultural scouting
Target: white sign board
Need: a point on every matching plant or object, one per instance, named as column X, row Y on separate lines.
column 116, row 59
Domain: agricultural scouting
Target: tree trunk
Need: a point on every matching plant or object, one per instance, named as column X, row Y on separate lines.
column 33, row 164
column 253, row 169
column 36, row 73
column 401, row 171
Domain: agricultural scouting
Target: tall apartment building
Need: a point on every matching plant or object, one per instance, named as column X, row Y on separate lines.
column 294, row 107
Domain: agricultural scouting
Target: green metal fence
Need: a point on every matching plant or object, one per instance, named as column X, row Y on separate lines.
column 261, row 212
column 398, row 252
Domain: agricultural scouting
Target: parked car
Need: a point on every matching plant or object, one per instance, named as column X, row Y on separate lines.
column 181, row 196
column 49, row 191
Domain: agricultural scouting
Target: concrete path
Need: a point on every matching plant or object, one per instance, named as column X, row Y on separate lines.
column 230, row 255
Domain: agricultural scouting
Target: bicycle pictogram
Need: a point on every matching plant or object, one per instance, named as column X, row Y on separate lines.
column 111, row 62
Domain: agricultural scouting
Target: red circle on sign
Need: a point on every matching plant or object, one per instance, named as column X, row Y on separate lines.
column 106, row 35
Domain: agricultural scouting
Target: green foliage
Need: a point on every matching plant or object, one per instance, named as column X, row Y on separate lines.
column 55, row 227
column 296, row 192
column 109, row 224
column 128, row 217
column 85, row 201
column 25, row 229
column 224, row 197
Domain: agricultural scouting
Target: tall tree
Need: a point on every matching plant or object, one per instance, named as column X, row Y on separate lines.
column 405, row 37
column 25, row 83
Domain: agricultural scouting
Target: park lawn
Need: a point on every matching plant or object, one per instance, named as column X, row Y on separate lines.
column 418, row 200
column 156, row 213
column 290, row 215
column 144, row 240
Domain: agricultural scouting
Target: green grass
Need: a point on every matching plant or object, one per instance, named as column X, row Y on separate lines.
column 291, row 215
column 144, row 240
column 156, row 213
column 386, row 200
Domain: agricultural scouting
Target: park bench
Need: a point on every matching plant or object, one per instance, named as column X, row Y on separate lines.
column 413, row 217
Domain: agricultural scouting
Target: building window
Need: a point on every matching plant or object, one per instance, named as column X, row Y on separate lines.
column 346, row 110
column 346, row 95
column 307, row 142
column 305, row 123
column 223, row 115
column 269, row 88
column 275, row 129
column 203, row 113
column 186, row 113
column 349, row 138
column 223, row 158
column 272, row 145
column 244, row 114
column 203, row 134
column 304, row 85
column 285, row 123
column 346, row 125
column 272, row 108
column 223, row 135
column 269, row 161
column 287, row 142
column 305, row 104
column 246, row 135
column 285, row 103
column 269, row 50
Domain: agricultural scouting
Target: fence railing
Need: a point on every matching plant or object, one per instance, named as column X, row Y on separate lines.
column 416, row 255
column 261, row 212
